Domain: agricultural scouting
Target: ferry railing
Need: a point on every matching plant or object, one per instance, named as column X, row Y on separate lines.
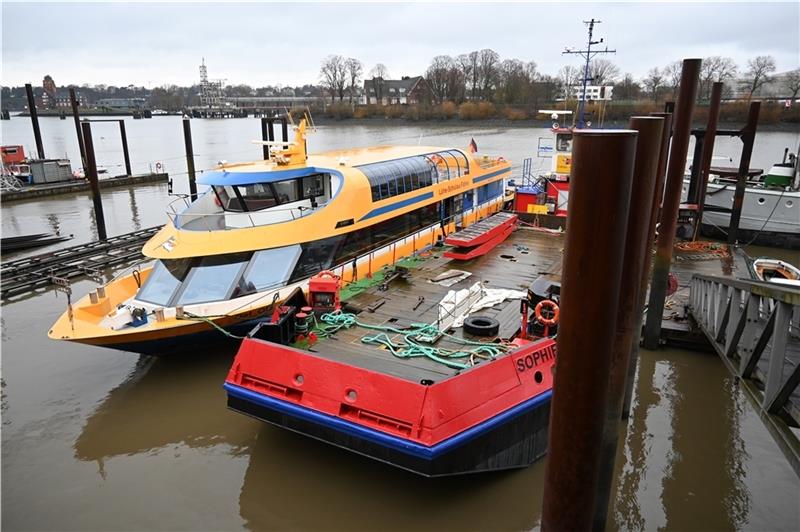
column 218, row 221
column 755, row 328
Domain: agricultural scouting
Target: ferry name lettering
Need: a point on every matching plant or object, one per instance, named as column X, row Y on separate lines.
column 451, row 187
column 537, row 358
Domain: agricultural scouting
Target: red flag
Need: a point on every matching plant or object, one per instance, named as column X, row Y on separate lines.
column 472, row 146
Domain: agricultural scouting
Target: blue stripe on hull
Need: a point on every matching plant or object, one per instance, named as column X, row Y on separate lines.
column 490, row 175
column 380, row 438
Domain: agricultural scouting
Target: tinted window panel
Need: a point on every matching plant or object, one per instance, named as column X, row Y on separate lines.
column 257, row 196
column 269, row 268
column 287, row 191
column 163, row 281
column 213, row 279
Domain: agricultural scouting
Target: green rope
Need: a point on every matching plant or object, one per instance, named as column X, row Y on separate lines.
column 210, row 322
column 411, row 346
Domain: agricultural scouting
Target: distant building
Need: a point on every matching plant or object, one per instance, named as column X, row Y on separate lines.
column 593, row 92
column 60, row 99
column 121, row 104
column 408, row 90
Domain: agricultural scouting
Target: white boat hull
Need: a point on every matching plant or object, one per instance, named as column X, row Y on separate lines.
column 770, row 216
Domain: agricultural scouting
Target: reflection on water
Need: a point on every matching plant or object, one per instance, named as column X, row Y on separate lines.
column 164, row 401
column 295, row 483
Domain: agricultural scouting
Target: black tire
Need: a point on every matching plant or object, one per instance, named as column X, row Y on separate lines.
column 481, row 326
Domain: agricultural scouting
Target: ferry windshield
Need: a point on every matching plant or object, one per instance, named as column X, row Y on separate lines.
column 219, row 277
column 260, row 196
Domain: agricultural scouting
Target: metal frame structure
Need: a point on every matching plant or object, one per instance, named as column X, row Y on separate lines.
column 755, row 328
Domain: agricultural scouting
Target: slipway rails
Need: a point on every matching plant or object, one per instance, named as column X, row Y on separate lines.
column 27, row 274
column 754, row 326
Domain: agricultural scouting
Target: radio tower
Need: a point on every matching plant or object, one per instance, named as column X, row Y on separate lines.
column 587, row 54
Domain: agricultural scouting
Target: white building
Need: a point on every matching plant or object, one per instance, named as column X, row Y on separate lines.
column 594, row 92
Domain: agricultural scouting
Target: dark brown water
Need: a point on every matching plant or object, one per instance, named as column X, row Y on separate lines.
column 102, row 440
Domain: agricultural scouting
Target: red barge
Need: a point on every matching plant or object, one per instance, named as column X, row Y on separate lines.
column 390, row 377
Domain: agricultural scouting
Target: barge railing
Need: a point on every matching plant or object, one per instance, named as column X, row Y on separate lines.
column 755, row 328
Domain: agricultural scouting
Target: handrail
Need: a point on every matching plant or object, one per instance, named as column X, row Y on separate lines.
column 780, row 292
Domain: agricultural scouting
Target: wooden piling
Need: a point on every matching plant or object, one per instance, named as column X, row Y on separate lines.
column 265, row 126
column 91, row 175
column 187, row 139
column 672, row 198
column 648, row 147
column 655, row 207
column 37, row 134
column 77, row 118
column 592, row 276
column 708, row 153
column 748, row 137
column 125, row 153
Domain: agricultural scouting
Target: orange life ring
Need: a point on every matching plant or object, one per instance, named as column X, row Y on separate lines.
column 553, row 308
column 158, row 167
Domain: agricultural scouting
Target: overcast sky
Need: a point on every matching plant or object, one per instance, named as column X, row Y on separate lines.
column 269, row 43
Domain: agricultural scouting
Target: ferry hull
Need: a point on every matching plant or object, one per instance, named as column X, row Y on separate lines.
column 514, row 439
column 493, row 416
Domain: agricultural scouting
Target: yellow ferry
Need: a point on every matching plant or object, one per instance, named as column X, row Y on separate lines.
column 262, row 229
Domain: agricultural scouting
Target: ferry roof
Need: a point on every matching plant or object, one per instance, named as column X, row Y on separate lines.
column 269, row 171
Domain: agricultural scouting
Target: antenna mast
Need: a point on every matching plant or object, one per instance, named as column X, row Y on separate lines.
column 587, row 54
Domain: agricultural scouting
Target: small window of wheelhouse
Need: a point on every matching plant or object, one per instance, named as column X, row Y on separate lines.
column 163, row 281
column 564, row 142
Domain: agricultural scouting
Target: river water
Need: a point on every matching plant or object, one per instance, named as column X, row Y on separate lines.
column 103, row 440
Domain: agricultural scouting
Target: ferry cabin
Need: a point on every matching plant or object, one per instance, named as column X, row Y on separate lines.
column 262, row 229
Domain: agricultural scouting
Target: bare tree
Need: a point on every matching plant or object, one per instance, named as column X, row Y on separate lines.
column 758, row 70
column 603, row 72
column 793, row 82
column 354, row 70
column 627, row 88
column 488, row 61
column 715, row 68
column 332, row 74
column 465, row 65
column 672, row 76
column 653, row 81
column 569, row 76
column 379, row 71
column 439, row 76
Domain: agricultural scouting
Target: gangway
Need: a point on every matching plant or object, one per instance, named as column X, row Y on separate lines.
column 754, row 326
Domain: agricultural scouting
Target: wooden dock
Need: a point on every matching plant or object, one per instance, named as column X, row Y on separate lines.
column 92, row 259
column 82, row 185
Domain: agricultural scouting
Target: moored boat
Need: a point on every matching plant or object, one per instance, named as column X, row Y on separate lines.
column 392, row 377
column 262, row 229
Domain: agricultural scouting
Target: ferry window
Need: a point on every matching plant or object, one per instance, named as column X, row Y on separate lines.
column 316, row 256
column 166, row 277
column 313, row 185
column 212, row 279
column 287, row 191
column 399, row 176
column 268, row 268
column 227, row 198
column 257, row 196
column 564, row 142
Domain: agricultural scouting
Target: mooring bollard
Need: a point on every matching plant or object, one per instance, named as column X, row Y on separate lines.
column 187, row 139
column 91, row 175
column 592, row 275
column 672, row 199
column 648, row 147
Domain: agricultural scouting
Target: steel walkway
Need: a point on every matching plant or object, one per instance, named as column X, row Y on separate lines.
column 27, row 274
column 755, row 328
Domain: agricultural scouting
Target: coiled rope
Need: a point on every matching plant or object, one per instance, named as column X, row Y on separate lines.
column 411, row 346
